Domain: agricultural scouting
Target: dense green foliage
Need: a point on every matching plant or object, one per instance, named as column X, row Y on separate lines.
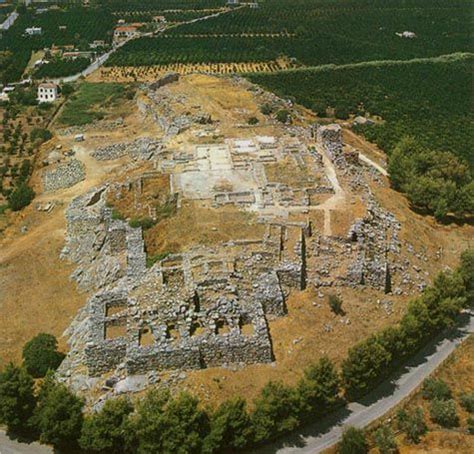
column 84, row 106
column 435, row 181
column 17, row 400
column 317, row 32
column 58, row 415
column 40, row 354
column 385, row 440
column 373, row 359
column 83, row 26
column 436, row 389
column 429, row 101
column 106, row 431
column 443, row 412
column 353, row 442
column 413, row 424
column 62, row 68
column 467, row 401
column 20, row 197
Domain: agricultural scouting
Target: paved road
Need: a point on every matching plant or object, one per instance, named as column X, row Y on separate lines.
column 8, row 446
column 323, row 435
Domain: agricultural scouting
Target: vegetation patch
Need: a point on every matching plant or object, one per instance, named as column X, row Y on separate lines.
column 90, row 102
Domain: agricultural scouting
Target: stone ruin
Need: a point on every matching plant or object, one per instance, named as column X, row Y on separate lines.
column 210, row 306
column 205, row 307
column 63, row 175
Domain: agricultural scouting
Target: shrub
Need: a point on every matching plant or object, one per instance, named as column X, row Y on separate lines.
column 335, row 303
column 21, row 197
column 40, row 354
column 467, row 401
column 40, row 134
column 341, row 112
column 436, row 389
column 353, row 442
column 17, row 400
column 283, row 116
column 443, row 412
column 413, row 424
column 385, row 440
column 144, row 223
column 266, row 109
column 470, row 425
column 253, row 121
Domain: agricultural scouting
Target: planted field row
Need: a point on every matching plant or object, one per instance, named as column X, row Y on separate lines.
column 151, row 73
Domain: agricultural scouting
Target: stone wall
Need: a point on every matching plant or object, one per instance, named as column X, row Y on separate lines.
column 63, row 175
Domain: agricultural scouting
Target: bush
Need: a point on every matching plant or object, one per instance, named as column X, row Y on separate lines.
column 436, row 389
column 467, row 401
column 413, row 424
column 353, row 442
column 253, row 121
column 40, row 134
column 266, row 109
column 144, row 223
column 335, row 303
column 17, row 400
column 40, row 354
column 470, row 425
column 21, row 197
column 443, row 412
column 283, row 116
column 385, row 440
column 341, row 112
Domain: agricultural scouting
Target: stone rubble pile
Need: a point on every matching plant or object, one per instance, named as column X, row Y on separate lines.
column 63, row 175
column 141, row 149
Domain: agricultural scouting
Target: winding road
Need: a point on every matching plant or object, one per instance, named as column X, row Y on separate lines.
column 322, row 435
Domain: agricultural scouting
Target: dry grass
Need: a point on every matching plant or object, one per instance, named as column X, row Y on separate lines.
column 195, row 224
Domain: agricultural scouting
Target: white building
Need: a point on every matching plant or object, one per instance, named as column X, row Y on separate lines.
column 47, row 92
column 32, row 31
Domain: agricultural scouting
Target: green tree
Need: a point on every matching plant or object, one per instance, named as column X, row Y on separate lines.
column 276, row 411
column 58, row 415
column 353, row 442
column 170, row 425
column 366, row 364
column 443, row 412
column 17, row 400
column 108, row 430
column 40, row 354
column 318, row 390
column 466, row 271
column 230, row 428
column 385, row 440
column 21, row 197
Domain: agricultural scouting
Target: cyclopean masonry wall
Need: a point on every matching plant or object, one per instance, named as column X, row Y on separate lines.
column 63, row 175
column 205, row 307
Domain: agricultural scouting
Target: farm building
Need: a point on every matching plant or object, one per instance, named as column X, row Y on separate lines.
column 47, row 92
